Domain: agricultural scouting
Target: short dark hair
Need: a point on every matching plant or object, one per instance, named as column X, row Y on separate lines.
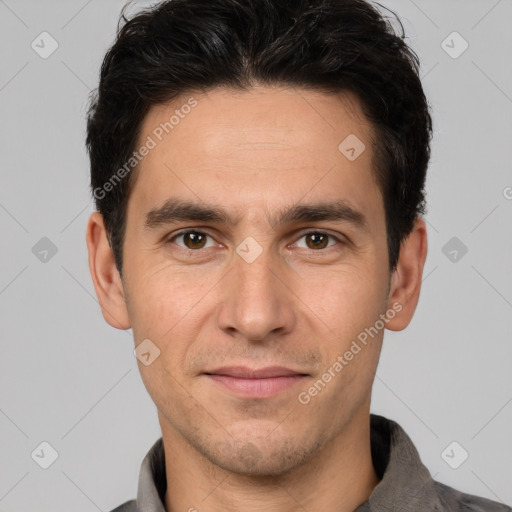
column 334, row 46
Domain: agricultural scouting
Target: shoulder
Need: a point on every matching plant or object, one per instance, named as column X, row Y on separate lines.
column 129, row 506
column 457, row 501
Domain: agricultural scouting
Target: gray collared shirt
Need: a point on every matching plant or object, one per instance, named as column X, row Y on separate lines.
column 405, row 486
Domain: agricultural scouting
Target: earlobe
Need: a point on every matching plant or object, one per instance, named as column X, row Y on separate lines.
column 406, row 279
column 105, row 276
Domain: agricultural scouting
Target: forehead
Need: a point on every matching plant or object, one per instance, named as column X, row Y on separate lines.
column 260, row 147
column 225, row 117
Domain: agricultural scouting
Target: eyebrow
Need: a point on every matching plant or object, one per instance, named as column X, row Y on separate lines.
column 176, row 210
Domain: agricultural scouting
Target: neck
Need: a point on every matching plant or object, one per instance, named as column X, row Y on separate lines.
column 338, row 478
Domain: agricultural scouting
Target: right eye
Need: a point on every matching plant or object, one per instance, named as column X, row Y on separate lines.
column 191, row 239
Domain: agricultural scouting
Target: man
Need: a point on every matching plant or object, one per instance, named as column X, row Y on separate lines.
column 259, row 169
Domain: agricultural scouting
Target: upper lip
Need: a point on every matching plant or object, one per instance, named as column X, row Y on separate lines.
column 244, row 372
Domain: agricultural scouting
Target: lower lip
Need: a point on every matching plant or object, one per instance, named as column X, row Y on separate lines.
column 257, row 388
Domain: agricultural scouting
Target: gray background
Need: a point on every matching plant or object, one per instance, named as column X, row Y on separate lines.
column 68, row 378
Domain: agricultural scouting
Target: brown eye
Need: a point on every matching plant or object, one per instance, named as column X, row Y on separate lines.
column 191, row 239
column 317, row 240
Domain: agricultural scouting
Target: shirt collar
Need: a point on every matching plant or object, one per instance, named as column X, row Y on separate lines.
column 405, row 483
column 152, row 480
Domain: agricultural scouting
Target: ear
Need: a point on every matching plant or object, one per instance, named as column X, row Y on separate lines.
column 406, row 278
column 105, row 276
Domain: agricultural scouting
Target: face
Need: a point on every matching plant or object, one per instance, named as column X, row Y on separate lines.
column 271, row 255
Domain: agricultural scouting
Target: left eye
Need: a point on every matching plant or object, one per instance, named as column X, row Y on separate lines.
column 317, row 240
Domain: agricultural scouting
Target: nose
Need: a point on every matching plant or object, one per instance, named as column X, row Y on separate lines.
column 257, row 303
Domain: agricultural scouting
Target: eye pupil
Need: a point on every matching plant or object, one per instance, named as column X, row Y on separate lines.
column 196, row 240
column 318, row 240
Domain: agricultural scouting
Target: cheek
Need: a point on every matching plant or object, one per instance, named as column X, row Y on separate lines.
column 170, row 307
column 163, row 297
column 351, row 387
column 345, row 300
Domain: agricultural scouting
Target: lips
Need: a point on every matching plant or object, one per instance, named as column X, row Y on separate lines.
column 255, row 382
column 243, row 372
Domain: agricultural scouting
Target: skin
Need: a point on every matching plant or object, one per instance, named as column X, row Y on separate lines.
column 255, row 153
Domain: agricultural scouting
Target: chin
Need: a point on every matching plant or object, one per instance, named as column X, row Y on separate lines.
column 260, row 456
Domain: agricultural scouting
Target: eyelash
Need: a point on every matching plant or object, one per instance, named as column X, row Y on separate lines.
column 311, row 232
